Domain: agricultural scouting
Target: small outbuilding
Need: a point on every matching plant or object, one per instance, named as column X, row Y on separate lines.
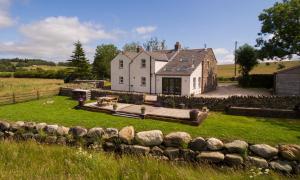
column 287, row 82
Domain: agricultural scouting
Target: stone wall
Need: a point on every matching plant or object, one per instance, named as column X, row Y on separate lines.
column 214, row 104
column 175, row 146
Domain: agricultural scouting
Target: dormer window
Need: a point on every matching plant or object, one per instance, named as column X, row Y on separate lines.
column 121, row 65
column 143, row 63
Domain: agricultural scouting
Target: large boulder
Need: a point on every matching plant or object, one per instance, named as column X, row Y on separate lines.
column 29, row 126
column 126, row 134
column 257, row 162
column 290, row 152
column 50, row 139
column 135, row 149
column 111, row 133
column 236, row 146
column 40, row 126
column 177, row 139
column 17, row 125
column 211, row 157
column 172, row 153
column 214, row 144
column 188, row 155
column 96, row 133
column 4, row 126
column 197, row 144
column 282, row 166
column 78, row 131
column 157, row 151
column 264, row 150
column 233, row 159
column 149, row 138
column 62, row 130
column 51, row 129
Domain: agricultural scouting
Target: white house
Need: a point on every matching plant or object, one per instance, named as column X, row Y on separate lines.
column 176, row 71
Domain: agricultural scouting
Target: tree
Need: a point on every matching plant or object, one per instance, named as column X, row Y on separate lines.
column 101, row 65
column 131, row 46
column 280, row 31
column 246, row 57
column 80, row 62
column 155, row 44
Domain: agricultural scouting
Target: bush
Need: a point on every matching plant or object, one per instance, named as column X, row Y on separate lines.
column 40, row 73
column 6, row 74
column 257, row 81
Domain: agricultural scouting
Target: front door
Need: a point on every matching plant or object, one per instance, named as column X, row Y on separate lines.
column 171, row 86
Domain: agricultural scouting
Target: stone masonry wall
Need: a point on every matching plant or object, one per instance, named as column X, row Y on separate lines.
column 175, row 146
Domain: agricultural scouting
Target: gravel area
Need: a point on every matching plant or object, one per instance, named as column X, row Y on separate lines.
column 232, row 89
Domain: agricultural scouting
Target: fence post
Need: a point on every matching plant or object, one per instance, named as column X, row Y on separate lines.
column 37, row 94
column 14, row 98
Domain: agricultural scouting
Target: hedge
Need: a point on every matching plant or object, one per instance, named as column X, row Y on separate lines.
column 47, row 74
column 257, row 81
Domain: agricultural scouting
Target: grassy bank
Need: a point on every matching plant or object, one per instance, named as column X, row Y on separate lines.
column 228, row 69
column 21, row 85
column 31, row 161
column 60, row 110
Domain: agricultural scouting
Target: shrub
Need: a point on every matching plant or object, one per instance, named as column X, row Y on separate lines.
column 40, row 73
column 257, row 81
column 6, row 74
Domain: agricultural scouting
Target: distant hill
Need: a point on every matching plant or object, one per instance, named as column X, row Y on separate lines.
column 263, row 68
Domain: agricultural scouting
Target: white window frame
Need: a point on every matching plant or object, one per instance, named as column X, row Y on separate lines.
column 194, row 82
column 121, row 62
column 143, row 81
column 143, row 65
column 121, row 80
column 199, row 82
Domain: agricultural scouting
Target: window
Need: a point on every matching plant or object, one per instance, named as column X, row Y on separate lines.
column 194, row 83
column 143, row 63
column 143, row 81
column 121, row 80
column 207, row 64
column 199, row 82
column 121, row 64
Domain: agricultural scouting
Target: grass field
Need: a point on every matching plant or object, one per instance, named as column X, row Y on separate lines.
column 31, row 161
column 19, row 85
column 44, row 67
column 228, row 69
column 227, row 127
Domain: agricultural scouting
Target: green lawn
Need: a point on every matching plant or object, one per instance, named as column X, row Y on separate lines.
column 31, row 161
column 227, row 127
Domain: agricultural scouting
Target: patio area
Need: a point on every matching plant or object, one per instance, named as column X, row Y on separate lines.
column 151, row 112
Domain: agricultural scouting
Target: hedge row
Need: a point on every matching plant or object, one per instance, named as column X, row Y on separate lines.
column 47, row 74
column 257, row 81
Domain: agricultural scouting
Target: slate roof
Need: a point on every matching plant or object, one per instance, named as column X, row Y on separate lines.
column 184, row 62
column 181, row 62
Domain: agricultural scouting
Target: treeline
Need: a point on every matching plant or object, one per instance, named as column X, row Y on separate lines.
column 11, row 65
column 39, row 73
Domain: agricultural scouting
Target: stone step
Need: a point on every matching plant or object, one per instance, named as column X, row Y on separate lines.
column 129, row 115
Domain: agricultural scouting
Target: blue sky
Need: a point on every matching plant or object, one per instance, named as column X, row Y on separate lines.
column 47, row 28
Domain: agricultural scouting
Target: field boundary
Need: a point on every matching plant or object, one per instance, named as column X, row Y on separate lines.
column 27, row 96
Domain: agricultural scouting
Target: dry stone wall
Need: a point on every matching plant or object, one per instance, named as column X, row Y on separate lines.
column 175, row 146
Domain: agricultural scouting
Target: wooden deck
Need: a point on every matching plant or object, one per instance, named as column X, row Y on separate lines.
column 159, row 113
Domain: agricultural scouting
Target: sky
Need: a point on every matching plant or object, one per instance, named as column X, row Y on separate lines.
column 47, row 29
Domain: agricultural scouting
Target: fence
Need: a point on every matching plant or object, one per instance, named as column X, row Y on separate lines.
column 26, row 96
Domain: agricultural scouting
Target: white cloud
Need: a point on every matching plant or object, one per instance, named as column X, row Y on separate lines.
column 145, row 29
column 53, row 38
column 224, row 56
column 5, row 19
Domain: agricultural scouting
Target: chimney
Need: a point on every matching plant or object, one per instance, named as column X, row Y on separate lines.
column 177, row 46
column 139, row 49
